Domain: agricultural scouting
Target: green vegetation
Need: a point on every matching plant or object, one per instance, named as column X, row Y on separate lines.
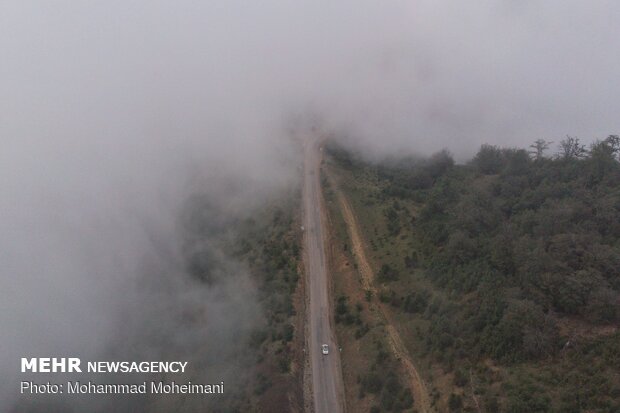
column 381, row 380
column 384, row 384
column 507, row 268
column 374, row 379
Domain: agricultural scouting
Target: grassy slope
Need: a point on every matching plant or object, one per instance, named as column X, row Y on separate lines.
column 359, row 187
column 372, row 376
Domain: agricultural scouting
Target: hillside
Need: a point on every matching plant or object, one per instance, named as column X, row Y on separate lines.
column 501, row 275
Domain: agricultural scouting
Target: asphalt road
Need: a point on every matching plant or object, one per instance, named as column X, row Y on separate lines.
column 326, row 373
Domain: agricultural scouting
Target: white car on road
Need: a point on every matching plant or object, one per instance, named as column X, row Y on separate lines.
column 325, row 349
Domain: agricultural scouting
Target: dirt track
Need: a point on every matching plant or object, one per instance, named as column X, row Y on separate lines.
column 418, row 387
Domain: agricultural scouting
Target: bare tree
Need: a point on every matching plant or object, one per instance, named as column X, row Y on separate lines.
column 538, row 148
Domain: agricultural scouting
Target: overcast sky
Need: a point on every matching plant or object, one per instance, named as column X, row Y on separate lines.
column 414, row 74
column 113, row 112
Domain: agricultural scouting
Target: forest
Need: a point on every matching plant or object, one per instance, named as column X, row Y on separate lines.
column 508, row 265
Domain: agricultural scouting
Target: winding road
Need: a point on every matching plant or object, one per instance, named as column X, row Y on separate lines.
column 327, row 387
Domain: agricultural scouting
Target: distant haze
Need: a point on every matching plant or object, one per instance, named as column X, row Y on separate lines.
column 112, row 113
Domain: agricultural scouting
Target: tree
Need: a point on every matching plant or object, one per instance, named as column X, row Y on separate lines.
column 489, row 159
column 602, row 159
column 518, row 161
column 613, row 141
column 387, row 273
column 455, row 403
column 393, row 222
column 439, row 163
column 602, row 305
column 538, row 148
column 571, row 148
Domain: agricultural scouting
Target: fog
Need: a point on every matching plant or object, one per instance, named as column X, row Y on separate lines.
column 113, row 113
